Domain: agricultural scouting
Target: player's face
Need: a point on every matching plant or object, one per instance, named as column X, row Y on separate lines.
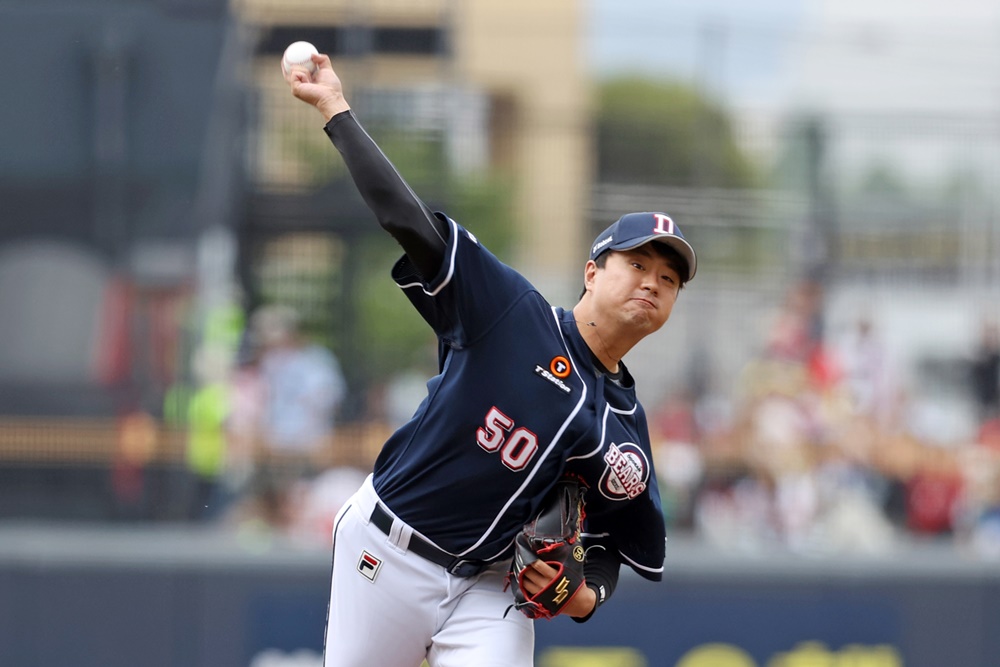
column 636, row 287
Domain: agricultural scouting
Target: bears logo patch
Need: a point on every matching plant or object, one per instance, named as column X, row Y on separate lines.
column 627, row 472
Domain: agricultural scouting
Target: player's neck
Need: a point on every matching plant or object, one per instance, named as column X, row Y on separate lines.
column 605, row 345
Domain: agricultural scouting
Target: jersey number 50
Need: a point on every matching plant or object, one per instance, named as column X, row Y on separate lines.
column 516, row 449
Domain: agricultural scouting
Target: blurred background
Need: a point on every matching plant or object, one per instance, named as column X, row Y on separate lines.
column 201, row 351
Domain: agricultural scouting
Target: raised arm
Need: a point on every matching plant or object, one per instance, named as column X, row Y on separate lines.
column 423, row 236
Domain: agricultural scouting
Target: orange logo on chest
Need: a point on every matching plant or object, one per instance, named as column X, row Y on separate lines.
column 559, row 366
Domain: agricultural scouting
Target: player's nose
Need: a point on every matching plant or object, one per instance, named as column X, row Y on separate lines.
column 650, row 283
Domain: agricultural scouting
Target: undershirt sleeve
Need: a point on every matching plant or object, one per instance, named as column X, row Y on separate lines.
column 601, row 571
column 423, row 236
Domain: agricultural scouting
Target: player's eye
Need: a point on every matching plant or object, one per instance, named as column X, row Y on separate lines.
column 637, row 265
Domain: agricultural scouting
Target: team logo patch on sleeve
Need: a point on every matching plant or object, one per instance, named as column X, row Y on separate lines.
column 627, row 472
column 369, row 566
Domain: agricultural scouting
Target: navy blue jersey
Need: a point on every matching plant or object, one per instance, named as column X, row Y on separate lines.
column 517, row 404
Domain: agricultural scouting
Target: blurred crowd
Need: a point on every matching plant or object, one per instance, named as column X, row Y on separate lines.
column 817, row 447
column 261, row 431
column 821, row 449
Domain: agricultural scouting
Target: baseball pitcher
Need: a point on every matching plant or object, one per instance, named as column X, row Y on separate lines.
column 524, row 480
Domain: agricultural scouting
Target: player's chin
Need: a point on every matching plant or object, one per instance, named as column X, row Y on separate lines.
column 647, row 320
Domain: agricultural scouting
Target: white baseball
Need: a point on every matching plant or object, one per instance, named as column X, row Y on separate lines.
column 298, row 53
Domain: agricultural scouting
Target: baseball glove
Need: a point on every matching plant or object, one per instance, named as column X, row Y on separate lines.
column 554, row 537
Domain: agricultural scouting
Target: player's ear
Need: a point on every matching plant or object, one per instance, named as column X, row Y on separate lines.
column 589, row 272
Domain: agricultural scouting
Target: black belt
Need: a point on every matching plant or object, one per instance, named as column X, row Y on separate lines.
column 460, row 567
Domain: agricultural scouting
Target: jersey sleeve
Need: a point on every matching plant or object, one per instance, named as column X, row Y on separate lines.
column 638, row 534
column 471, row 291
column 637, row 531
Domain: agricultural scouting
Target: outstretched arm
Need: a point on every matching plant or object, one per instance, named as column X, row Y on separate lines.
column 423, row 236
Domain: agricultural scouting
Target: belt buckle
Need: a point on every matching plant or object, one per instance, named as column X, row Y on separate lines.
column 466, row 568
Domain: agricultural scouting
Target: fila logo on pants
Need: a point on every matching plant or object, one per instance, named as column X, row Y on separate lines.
column 369, row 566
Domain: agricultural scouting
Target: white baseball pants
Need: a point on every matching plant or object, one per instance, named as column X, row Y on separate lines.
column 392, row 608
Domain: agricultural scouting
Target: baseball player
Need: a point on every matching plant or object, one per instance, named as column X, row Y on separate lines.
column 527, row 394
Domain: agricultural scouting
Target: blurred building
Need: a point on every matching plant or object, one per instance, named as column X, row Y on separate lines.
column 106, row 194
column 507, row 93
column 104, row 152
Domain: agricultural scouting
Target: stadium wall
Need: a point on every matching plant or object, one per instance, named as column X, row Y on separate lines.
column 177, row 598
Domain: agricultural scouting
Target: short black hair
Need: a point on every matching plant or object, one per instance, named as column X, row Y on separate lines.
column 674, row 259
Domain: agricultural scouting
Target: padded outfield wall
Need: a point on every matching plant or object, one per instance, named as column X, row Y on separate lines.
column 181, row 598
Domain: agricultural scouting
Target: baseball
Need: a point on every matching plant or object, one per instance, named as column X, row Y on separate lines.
column 298, row 53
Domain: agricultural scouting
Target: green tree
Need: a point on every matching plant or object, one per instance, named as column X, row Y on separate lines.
column 666, row 133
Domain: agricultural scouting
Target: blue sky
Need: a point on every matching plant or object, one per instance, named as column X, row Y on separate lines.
column 852, row 55
column 735, row 47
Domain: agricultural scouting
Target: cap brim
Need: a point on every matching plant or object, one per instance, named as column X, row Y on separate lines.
column 677, row 243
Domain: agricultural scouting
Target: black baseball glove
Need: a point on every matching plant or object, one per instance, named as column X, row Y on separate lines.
column 552, row 536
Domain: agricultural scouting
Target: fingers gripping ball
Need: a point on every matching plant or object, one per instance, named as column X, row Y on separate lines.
column 298, row 53
column 554, row 537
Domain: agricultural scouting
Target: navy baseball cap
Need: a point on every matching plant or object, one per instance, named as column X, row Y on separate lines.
column 635, row 229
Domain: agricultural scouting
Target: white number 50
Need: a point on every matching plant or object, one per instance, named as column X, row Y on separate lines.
column 515, row 449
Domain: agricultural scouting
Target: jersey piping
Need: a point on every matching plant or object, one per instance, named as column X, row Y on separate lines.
column 548, row 448
column 604, row 430
column 451, row 265
column 640, row 566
